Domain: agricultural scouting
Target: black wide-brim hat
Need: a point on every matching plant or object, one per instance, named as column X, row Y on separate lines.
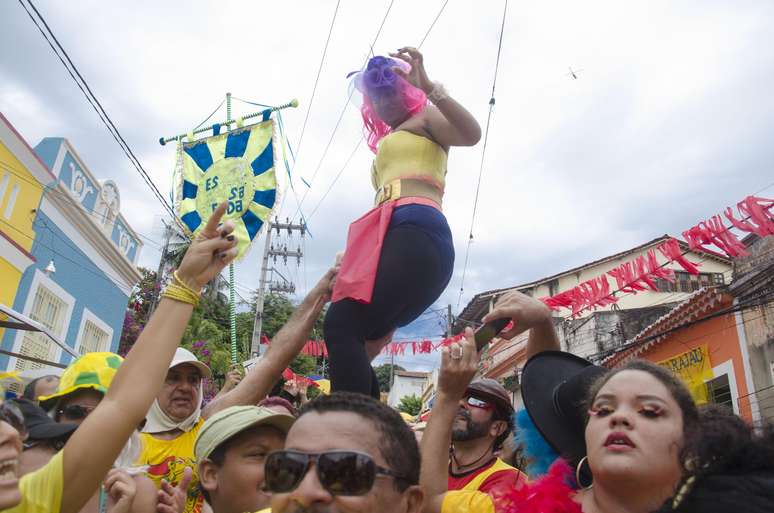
column 554, row 387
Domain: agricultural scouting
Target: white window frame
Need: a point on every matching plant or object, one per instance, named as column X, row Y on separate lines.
column 88, row 315
column 4, row 184
column 38, row 280
column 11, row 201
column 727, row 368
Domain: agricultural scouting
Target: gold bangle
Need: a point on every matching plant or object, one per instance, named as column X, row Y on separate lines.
column 178, row 281
column 181, row 294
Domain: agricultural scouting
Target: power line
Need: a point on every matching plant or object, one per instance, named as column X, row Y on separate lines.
column 433, row 24
column 316, row 80
column 92, row 99
column 97, row 216
column 483, row 155
column 343, row 111
column 211, row 114
column 338, row 175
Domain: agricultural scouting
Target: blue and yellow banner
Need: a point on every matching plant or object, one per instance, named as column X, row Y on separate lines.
column 237, row 167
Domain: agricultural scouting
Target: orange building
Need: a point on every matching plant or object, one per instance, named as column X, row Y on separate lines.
column 710, row 355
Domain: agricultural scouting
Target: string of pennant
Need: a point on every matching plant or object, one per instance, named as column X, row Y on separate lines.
column 641, row 273
column 637, row 275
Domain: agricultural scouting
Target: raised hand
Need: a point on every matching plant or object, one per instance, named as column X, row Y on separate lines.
column 172, row 499
column 459, row 364
column 233, row 377
column 120, row 486
column 417, row 76
column 524, row 311
column 212, row 249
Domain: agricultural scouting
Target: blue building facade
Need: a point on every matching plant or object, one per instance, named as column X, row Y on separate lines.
column 85, row 256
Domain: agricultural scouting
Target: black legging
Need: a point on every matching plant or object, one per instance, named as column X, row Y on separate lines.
column 409, row 279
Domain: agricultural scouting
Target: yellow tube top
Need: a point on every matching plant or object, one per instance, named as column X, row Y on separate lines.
column 403, row 154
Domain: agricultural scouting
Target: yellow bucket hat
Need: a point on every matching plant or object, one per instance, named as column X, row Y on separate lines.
column 92, row 370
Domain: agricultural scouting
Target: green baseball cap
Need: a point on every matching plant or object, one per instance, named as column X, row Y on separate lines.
column 232, row 421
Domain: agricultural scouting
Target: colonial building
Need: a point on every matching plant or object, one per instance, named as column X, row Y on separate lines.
column 22, row 177
column 709, row 356
column 597, row 333
column 84, row 256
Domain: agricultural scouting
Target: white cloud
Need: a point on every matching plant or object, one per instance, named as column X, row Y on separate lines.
column 668, row 121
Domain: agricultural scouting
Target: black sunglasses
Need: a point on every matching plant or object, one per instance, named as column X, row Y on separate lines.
column 339, row 472
column 11, row 414
column 74, row 412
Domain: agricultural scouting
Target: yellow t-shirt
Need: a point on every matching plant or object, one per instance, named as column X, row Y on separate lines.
column 167, row 459
column 41, row 490
column 467, row 501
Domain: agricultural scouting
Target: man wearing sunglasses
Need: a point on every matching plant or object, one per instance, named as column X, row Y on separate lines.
column 346, row 452
column 474, row 416
column 482, row 424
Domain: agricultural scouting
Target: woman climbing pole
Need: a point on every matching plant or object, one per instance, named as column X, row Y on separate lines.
column 400, row 255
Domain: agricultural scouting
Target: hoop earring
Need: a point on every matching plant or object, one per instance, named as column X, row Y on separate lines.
column 577, row 474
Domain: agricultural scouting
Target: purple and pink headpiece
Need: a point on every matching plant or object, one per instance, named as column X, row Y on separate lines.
column 378, row 82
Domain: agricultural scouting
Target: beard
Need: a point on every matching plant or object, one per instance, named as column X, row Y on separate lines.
column 472, row 430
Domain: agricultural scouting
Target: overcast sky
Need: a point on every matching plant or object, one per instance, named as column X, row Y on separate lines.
column 669, row 121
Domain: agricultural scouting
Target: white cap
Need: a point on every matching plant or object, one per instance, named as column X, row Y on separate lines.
column 185, row 356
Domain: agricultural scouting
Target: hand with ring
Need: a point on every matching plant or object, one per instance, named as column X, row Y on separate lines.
column 459, row 364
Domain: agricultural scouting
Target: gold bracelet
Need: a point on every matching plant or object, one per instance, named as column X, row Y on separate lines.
column 181, row 294
column 178, row 281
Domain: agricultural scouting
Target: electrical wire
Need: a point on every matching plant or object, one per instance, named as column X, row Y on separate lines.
column 317, row 78
column 94, row 102
column 483, row 155
column 432, row 24
column 341, row 114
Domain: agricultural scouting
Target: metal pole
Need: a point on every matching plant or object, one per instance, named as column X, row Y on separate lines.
column 232, row 282
column 392, row 369
column 165, row 140
column 162, row 262
column 258, row 325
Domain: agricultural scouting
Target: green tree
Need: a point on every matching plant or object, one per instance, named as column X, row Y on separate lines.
column 410, row 404
column 304, row 365
column 384, row 374
column 277, row 309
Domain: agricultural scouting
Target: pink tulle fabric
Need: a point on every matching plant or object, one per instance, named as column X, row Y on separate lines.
column 551, row 493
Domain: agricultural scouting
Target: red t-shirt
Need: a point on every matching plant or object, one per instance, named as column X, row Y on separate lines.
column 494, row 485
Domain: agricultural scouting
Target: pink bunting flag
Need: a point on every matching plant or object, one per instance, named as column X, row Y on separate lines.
column 758, row 210
column 714, row 232
column 672, row 252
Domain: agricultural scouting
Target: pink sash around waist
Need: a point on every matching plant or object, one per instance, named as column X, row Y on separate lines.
column 357, row 274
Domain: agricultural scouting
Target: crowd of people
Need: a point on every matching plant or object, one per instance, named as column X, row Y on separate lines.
column 131, row 434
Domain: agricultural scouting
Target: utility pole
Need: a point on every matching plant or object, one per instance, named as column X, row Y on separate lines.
column 269, row 251
column 449, row 321
column 162, row 262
